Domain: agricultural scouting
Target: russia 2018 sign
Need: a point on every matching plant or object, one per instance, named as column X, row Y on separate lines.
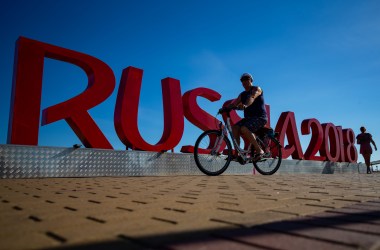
column 332, row 142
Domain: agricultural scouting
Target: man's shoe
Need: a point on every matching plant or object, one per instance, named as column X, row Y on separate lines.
column 241, row 160
column 257, row 157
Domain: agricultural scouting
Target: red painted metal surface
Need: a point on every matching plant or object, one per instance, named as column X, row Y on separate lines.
column 316, row 139
column 349, row 145
column 26, row 94
column 196, row 115
column 330, row 147
column 286, row 126
column 126, row 112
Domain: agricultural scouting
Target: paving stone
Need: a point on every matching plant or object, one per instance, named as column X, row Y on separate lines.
column 182, row 212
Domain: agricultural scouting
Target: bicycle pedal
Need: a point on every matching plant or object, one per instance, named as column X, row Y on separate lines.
column 241, row 160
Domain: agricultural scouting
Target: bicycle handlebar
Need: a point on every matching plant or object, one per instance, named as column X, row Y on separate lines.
column 227, row 109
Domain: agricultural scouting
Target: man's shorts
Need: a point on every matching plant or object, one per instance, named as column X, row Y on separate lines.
column 253, row 124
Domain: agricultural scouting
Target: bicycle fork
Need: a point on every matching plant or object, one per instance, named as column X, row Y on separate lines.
column 217, row 144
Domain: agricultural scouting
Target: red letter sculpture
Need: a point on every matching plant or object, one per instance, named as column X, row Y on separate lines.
column 316, row 139
column 286, row 125
column 196, row 115
column 330, row 147
column 126, row 111
column 349, row 145
column 342, row 157
column 26, row 94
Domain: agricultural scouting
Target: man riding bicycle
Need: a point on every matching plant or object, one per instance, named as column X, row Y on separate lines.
column 213, row 151
column 255, row 115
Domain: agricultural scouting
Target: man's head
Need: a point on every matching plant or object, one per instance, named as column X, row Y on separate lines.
column 247, row 80
column 362, row 129
column 246, row 76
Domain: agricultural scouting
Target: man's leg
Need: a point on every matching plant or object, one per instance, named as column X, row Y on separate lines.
column 236, row 134
column 367, row 160
column 252, row 139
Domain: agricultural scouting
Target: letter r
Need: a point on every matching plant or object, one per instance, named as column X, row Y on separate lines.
column 24, row 115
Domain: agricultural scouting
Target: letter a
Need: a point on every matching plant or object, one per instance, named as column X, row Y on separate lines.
column 286, row 125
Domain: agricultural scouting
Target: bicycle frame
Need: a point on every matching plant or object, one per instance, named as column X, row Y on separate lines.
column 227, row 130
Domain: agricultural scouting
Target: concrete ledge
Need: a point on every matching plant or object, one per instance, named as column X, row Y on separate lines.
column 37, row 162
column 320, row 167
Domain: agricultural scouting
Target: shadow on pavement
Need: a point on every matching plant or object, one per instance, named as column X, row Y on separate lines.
column 361, row 229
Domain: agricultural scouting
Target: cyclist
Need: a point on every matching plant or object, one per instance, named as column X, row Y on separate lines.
column 255, row 115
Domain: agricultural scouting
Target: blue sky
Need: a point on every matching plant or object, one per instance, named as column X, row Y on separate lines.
column 319, row 59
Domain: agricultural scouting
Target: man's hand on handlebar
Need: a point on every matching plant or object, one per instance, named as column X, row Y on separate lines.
column 224, row 109
column 229, row 108
column 241, row 106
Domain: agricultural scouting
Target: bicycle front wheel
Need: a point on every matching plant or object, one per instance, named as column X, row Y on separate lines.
column 212, row 152
column 272, row 157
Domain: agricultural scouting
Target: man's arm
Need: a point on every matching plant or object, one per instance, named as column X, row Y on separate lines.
column 256, row 92
column 374, row 144
column 235, row 103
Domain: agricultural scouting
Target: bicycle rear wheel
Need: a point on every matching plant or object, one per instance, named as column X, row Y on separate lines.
column 272, row 157
column 210, row 154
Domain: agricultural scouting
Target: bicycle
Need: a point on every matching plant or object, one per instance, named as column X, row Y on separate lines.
column 213, row 150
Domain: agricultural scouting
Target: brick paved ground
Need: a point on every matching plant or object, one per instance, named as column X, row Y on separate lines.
column 192, row 212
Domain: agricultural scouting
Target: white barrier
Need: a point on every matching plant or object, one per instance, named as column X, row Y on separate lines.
column 38, row 162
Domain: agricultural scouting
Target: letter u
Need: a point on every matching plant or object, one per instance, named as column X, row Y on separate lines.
column 126, row 112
